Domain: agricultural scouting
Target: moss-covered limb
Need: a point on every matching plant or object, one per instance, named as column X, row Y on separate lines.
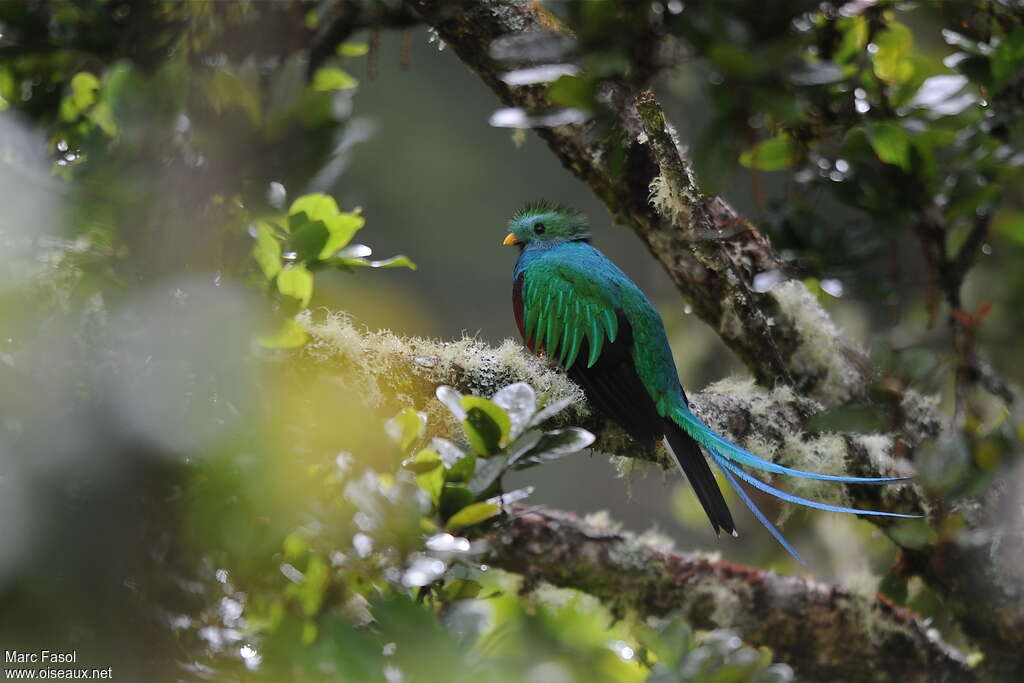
column 394, row 372
column 824, row 632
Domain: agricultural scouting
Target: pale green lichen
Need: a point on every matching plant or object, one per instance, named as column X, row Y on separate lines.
column 666, row 202
column 385, row 366
column 822, row 454
column 818, row 354
column 654, row 539
column 602, row 523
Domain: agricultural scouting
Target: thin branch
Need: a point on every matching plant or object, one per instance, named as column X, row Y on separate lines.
column 825, row 633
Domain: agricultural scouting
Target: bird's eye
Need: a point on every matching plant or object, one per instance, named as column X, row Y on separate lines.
column 538, row 228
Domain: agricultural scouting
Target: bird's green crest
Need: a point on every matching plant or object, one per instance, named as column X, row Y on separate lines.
column 547, row 223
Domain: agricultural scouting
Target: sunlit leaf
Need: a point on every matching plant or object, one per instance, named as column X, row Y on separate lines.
column 288, row 335
column 488, row 471
column 512, row 496
column 519, row 402
column 341, row 229
column 316, row 206
column 452, row 400
column 558, row 444
column 487, row 425
column 267, row 250
column 406, row 427
column 430, row 475
column 938, row 94
column 83, row 90
column 296, row 281
column 550, row 410
column 855, row 37
column 450, row 453
column 393, row 262
column 771, row 155
column 333, row 78
column 353, row 49
column 891, row 63
column 472, row 514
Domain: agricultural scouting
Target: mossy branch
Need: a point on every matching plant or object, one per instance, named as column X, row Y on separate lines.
column 824, row 632
column 394, row 372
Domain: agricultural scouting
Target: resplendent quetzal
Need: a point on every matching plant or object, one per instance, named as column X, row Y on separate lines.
column 577, row 307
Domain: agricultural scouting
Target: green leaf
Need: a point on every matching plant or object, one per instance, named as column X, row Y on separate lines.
column 406, row 428
column 911, row 533
column 487, row 472
column 1008, row 59
column 332, row 78
column 891, row 143
column 487, row 426
column 573, row 91
column 316, row 206
column 454, row 497
column 463, row 469
column 103, row 117
column 430, row 475
column 1011, row 224
column 226, row 90
column 353, row 49
column 452, row 400
column 358, row 262
column 771, row 155
column 289, row 335
column 519, row 402
column 296, row 281
column 267, row 250
column 890, row 60
column 855, row 37
column 83, row 90
column 558, row 444
column 472, row 514
column 341, row 229
column 669, row 641
column 461, row 589
column 308, row 241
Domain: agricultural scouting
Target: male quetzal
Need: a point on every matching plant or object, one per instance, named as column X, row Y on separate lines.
column 577, row 307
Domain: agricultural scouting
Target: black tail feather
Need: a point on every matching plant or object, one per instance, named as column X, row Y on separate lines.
column 690, row 457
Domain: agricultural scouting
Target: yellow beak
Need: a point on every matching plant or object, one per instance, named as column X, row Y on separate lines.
column 510, row 239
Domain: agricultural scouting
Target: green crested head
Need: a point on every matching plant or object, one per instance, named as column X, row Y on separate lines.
column 546, row 224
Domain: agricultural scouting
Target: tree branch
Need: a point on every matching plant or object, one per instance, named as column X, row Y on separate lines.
column 825, row 633
column 394, row 372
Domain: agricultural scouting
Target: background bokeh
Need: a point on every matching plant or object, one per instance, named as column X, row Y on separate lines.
column 166, row 472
